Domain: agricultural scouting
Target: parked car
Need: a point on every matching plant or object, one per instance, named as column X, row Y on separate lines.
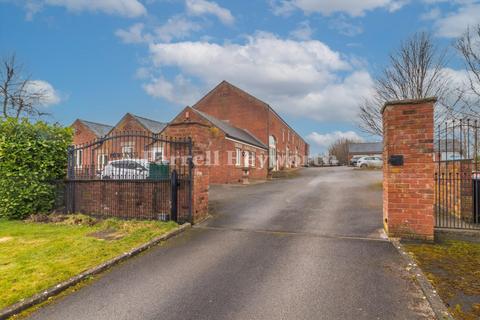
column 370, row 162
column 353, row 161
column 126, row 169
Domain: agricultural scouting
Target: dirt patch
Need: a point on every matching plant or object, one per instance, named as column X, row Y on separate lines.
column 107, row 234
column 74, row 219
column 5, row 239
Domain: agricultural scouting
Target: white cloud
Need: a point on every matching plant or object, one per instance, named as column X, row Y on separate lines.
column 459, row 80
column 304, row 78
column 345, row 27
column 177, row 27
column 125, row 8
column 353, row 8
column 454, row 24
column 134, row 34
column 48, row 95
column 432, row 14
column 203, row 7
column 323, row 141
column 303, row 31
column 180, row 91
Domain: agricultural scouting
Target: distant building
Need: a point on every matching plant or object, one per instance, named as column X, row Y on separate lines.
column 134, row 142
column 364, row 149
column 450, row 149
column 87, row 131
column 242, row 110
column 245, row 135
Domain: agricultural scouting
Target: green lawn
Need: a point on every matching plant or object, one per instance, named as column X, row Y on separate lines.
column 454, row 269
column 35, row 256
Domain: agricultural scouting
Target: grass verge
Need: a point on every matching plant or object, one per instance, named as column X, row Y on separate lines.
column 453, row 267
column 35, row 256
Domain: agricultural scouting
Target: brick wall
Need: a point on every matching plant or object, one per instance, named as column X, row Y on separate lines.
column 198, row 130
column 82, row 134
column 408, row 190
column 131, row 200
column 453, row 187
column 200, row 193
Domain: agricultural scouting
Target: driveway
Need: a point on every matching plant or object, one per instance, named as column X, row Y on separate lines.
column 310, row 247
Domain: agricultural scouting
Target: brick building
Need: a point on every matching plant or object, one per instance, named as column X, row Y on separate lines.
column 242, row 110
column 230, row 152
column 134, row 141
column 240, row 136
column 87, row 131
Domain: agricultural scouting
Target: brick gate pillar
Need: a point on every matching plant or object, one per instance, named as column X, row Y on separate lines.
column 408, row 170
column 199, row 133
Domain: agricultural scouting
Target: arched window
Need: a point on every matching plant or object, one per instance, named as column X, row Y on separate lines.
column 272, row 152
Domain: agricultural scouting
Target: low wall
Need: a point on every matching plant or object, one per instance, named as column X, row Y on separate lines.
column 454, row 188
column 125, row 199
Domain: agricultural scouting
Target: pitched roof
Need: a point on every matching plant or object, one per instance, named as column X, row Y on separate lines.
column 99, row 129
column 231, row 131
column 225, row 82
column 365, row 147
column 149, row 124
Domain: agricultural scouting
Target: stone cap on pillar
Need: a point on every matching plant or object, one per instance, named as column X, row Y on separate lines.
column 408, row 101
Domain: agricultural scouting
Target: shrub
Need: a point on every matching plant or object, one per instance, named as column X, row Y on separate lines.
column 32, row 157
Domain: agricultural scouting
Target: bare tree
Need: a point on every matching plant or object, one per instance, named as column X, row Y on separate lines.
column 18, row 94
column 469, row 47
column 339, row 149
column 416, row 70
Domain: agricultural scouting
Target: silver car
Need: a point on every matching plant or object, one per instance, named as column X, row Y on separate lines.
column 129, row 169
column 370, row 162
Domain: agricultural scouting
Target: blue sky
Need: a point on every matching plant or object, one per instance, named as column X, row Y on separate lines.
column 312, row 60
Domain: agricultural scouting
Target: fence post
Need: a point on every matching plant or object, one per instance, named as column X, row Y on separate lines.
column 174, row 196
column 190, row 175
column 408, row 170
column 70, row 184
column 70, row 162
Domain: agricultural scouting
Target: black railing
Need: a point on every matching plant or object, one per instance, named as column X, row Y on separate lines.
column 457, row 178
column 129, row 175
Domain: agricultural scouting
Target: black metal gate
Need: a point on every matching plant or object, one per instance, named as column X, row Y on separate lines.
column 457, row 175
column 132, row 175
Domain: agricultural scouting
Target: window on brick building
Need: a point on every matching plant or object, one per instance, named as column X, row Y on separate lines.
column 272, row 153
column 157, row 154
column 127, row 150
column 253, row 159
column 246, row 159
column 78, row 158
column 238, row 157
column 102, row 161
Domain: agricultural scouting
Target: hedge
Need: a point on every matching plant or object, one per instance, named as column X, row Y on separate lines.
column 32, row 156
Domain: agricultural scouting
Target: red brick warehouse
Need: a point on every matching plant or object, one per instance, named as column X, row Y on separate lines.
column 240, row 109
column 250, row 135
column 242, row 135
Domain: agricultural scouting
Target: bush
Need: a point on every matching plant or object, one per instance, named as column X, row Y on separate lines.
column 32, row 157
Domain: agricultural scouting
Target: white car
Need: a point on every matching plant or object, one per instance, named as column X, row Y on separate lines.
column 126, row 169
column 370, row 162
